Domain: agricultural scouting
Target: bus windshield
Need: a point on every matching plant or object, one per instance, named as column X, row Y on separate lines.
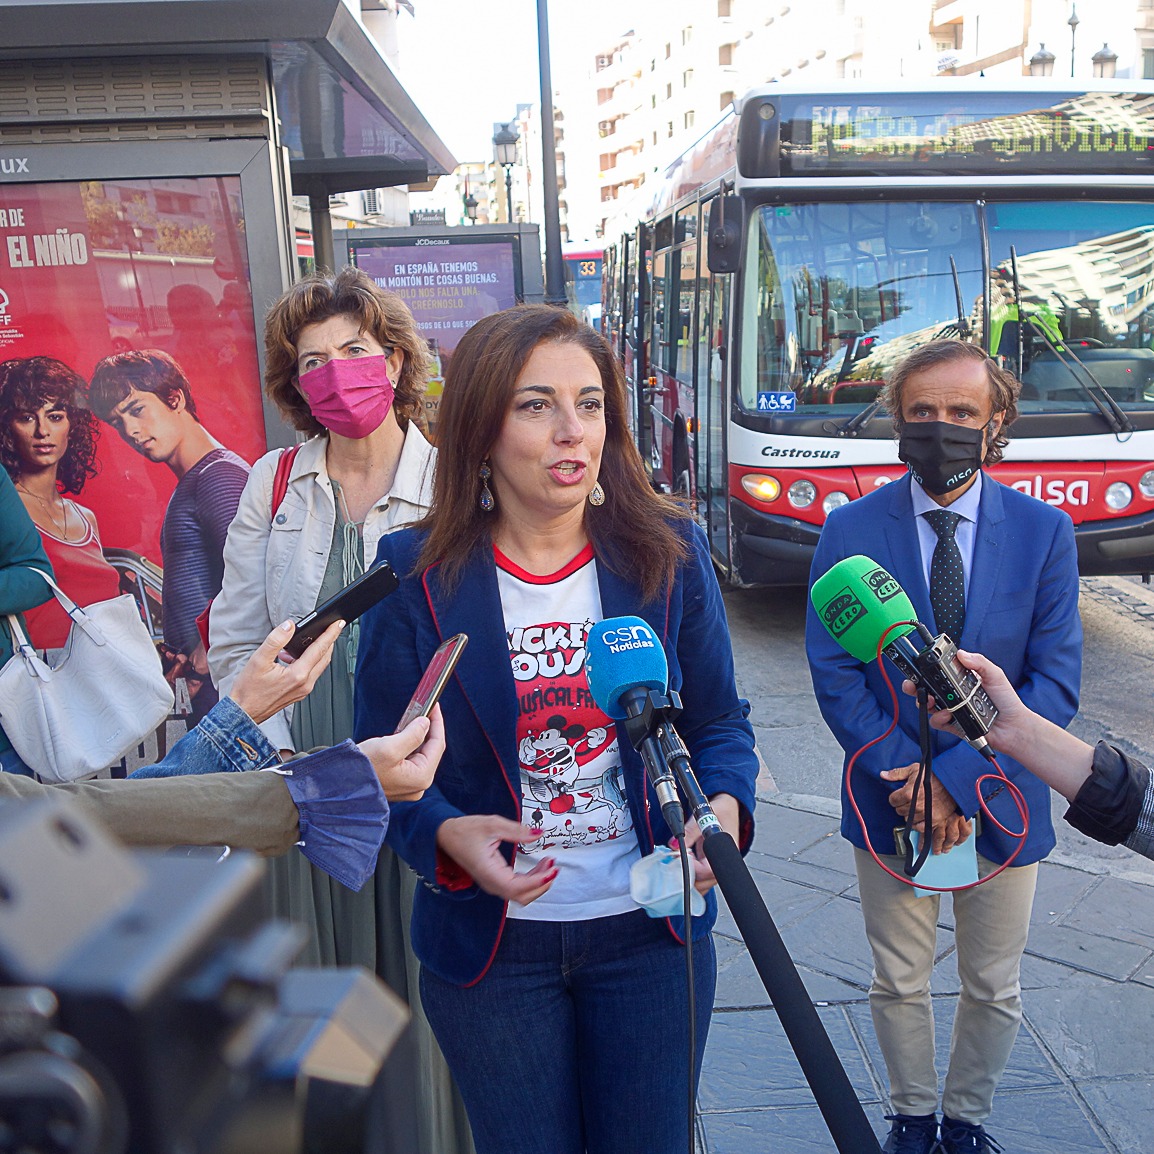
column 839, row 292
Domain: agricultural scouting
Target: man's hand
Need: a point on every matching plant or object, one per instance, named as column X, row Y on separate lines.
column 950, row 828
column 474, row 843
column 405, row 762
column 265, row 686
column 728, row 812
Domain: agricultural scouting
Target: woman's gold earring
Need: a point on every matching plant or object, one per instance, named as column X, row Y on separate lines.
column 488, row 504
column 596, row 494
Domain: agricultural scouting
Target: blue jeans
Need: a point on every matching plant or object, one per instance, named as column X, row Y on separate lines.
column 576, row 1040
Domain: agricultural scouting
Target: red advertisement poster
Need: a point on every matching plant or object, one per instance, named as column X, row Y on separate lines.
column 130, row 405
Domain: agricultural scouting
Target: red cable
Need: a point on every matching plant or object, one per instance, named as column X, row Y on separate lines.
column 1014, row 792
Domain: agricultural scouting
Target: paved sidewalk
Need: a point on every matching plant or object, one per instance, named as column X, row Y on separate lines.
column 1081, row 1077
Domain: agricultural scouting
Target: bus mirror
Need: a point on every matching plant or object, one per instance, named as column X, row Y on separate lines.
column 724, row 234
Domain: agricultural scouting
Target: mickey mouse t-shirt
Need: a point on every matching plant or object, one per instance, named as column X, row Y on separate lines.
column 572, row 788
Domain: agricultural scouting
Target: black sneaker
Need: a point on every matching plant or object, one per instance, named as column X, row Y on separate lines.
column 965, row 1138
column 912, row 1134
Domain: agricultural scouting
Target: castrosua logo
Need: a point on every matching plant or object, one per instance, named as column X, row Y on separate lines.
column 842, row 610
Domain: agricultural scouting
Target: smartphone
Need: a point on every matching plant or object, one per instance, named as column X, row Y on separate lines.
column 434, row 679
column 347, row 605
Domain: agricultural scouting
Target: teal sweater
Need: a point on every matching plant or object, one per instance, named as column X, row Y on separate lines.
column 20, row 546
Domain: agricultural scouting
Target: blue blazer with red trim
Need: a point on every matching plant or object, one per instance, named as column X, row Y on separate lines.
column 456, row 926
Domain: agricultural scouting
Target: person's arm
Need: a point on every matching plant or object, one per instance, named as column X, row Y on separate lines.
column 240, row 612
column 21, row 548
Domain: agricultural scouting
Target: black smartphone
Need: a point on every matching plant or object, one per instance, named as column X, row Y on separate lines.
column 434, row 679
column 347, row 605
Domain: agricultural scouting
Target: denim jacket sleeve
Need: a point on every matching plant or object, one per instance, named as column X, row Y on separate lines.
column 227, row 740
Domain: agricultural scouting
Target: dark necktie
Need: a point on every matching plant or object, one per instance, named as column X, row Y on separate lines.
column 947, row 577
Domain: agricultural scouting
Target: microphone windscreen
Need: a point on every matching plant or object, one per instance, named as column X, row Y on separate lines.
column 623, row 653
column 857, row 601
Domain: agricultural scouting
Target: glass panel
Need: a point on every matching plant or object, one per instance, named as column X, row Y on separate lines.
column 1085, row 284
column 683, row 368
column 842, row 291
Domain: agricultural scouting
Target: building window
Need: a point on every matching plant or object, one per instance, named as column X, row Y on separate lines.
column 669, row 129
column 668, row 51
column 687, row 78
column 689, row 119
column 669, row 91
column 687, row 34
column 724, row 7
column 655, row 136
column 653, row 101
column 726, row 100
column 1148, row 63
column 725, row 55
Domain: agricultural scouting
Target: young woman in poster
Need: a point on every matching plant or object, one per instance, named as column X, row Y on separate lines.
column 345, row 365
column 48, row 447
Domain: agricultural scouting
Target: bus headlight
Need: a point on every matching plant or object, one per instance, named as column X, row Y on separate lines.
column 761, row 486
column 1146, row 484
column 1118, row 495
column 834, row 501
column 802, row 494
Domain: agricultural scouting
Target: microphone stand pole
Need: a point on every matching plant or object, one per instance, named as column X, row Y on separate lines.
column 839, row 1105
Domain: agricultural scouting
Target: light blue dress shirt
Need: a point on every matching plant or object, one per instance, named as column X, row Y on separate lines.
column 966, row 533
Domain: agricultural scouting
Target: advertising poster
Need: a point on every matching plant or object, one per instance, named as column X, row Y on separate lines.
column 448, row 283
column 130, row 403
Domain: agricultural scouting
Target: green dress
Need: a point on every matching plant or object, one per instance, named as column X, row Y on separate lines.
column 370, row 928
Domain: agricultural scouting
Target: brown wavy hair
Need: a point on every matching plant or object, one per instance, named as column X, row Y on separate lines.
column 635, row 532
column 380, row 313
column 1004, row 386
column 26, row 385
column 145, row 370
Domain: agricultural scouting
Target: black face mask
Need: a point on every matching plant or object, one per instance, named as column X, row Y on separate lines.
column 942, row 457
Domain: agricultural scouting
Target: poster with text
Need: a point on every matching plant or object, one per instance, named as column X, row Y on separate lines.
column 449, row 284
column 130, row 398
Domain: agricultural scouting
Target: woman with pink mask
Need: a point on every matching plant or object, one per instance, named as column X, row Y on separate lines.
column 346, row 366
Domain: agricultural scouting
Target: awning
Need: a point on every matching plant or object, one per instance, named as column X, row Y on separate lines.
column 344, row 116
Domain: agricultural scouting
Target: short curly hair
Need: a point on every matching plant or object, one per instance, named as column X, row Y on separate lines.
column 1004, row 386
column 381, row 314
column 26, row 385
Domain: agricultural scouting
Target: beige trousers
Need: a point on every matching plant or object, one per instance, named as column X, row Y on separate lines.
column 992, row 922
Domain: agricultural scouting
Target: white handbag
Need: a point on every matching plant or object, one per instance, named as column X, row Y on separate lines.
column 106, row 694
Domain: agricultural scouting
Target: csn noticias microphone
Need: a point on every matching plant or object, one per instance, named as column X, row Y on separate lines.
column 858, row 601
column 628, row 676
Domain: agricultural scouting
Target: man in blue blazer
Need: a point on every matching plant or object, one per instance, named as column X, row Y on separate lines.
column 1000, row 569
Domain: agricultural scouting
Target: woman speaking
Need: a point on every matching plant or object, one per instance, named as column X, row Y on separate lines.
column 559, row 1004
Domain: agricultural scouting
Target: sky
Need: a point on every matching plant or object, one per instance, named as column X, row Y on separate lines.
column 468, row 64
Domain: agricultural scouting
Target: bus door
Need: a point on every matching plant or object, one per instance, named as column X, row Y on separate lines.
column 709, row 424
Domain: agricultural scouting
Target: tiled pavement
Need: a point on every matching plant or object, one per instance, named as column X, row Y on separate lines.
column 1081, row 1077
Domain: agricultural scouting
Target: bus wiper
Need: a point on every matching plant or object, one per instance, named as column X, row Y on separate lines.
column 964, row 331
column 1113, row 414
column 851, row 427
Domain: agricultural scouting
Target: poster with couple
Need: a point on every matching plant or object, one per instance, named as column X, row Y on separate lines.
column 130, row 401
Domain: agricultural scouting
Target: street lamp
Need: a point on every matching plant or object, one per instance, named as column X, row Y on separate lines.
column 505, row 150
column 1073, row 22
column 1042, row 62
column 471, row 208
column 1105, row 62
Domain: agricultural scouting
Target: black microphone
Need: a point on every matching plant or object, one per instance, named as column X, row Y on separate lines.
column 859, row 603
column 628, row 674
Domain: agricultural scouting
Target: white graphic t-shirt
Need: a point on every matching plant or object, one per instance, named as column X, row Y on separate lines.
column 571, row 782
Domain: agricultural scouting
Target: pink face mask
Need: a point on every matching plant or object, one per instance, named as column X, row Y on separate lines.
column 350, row 397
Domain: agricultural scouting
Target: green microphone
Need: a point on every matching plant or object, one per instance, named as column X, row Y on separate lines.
column 858, row 601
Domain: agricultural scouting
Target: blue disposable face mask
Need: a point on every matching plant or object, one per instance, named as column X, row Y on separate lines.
column 940, row 456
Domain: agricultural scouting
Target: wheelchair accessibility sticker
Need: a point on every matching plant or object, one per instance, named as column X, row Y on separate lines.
column 777, row 402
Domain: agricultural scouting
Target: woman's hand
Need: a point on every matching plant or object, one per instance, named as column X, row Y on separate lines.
column 405, row 762
column 728, row 811
column 474, row 843
column 265, row 685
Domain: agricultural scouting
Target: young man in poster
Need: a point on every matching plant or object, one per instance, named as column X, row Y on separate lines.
column 145, row 396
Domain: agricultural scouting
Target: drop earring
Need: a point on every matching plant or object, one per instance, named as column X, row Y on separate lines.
column 596, row 494
column 488, row 504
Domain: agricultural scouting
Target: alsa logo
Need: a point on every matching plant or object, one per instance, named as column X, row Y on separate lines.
column 627, row 637
column 841, row 611
column 1055, row 492
column 881, row 584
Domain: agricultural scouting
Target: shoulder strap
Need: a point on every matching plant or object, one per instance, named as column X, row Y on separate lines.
column 280, row 479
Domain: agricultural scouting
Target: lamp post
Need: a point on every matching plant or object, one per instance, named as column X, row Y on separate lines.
column 1042, row 62
column 1073, row 22
column 505, row 150
column 1105, row 62
column 133, row 235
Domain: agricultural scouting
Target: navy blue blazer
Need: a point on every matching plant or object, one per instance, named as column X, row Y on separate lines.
column 1021, row 611
column 456, row 926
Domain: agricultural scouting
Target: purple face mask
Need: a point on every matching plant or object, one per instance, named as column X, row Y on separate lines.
column 350, row 397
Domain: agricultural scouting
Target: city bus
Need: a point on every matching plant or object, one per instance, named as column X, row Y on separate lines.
column 814, row 236
column 582, row 268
